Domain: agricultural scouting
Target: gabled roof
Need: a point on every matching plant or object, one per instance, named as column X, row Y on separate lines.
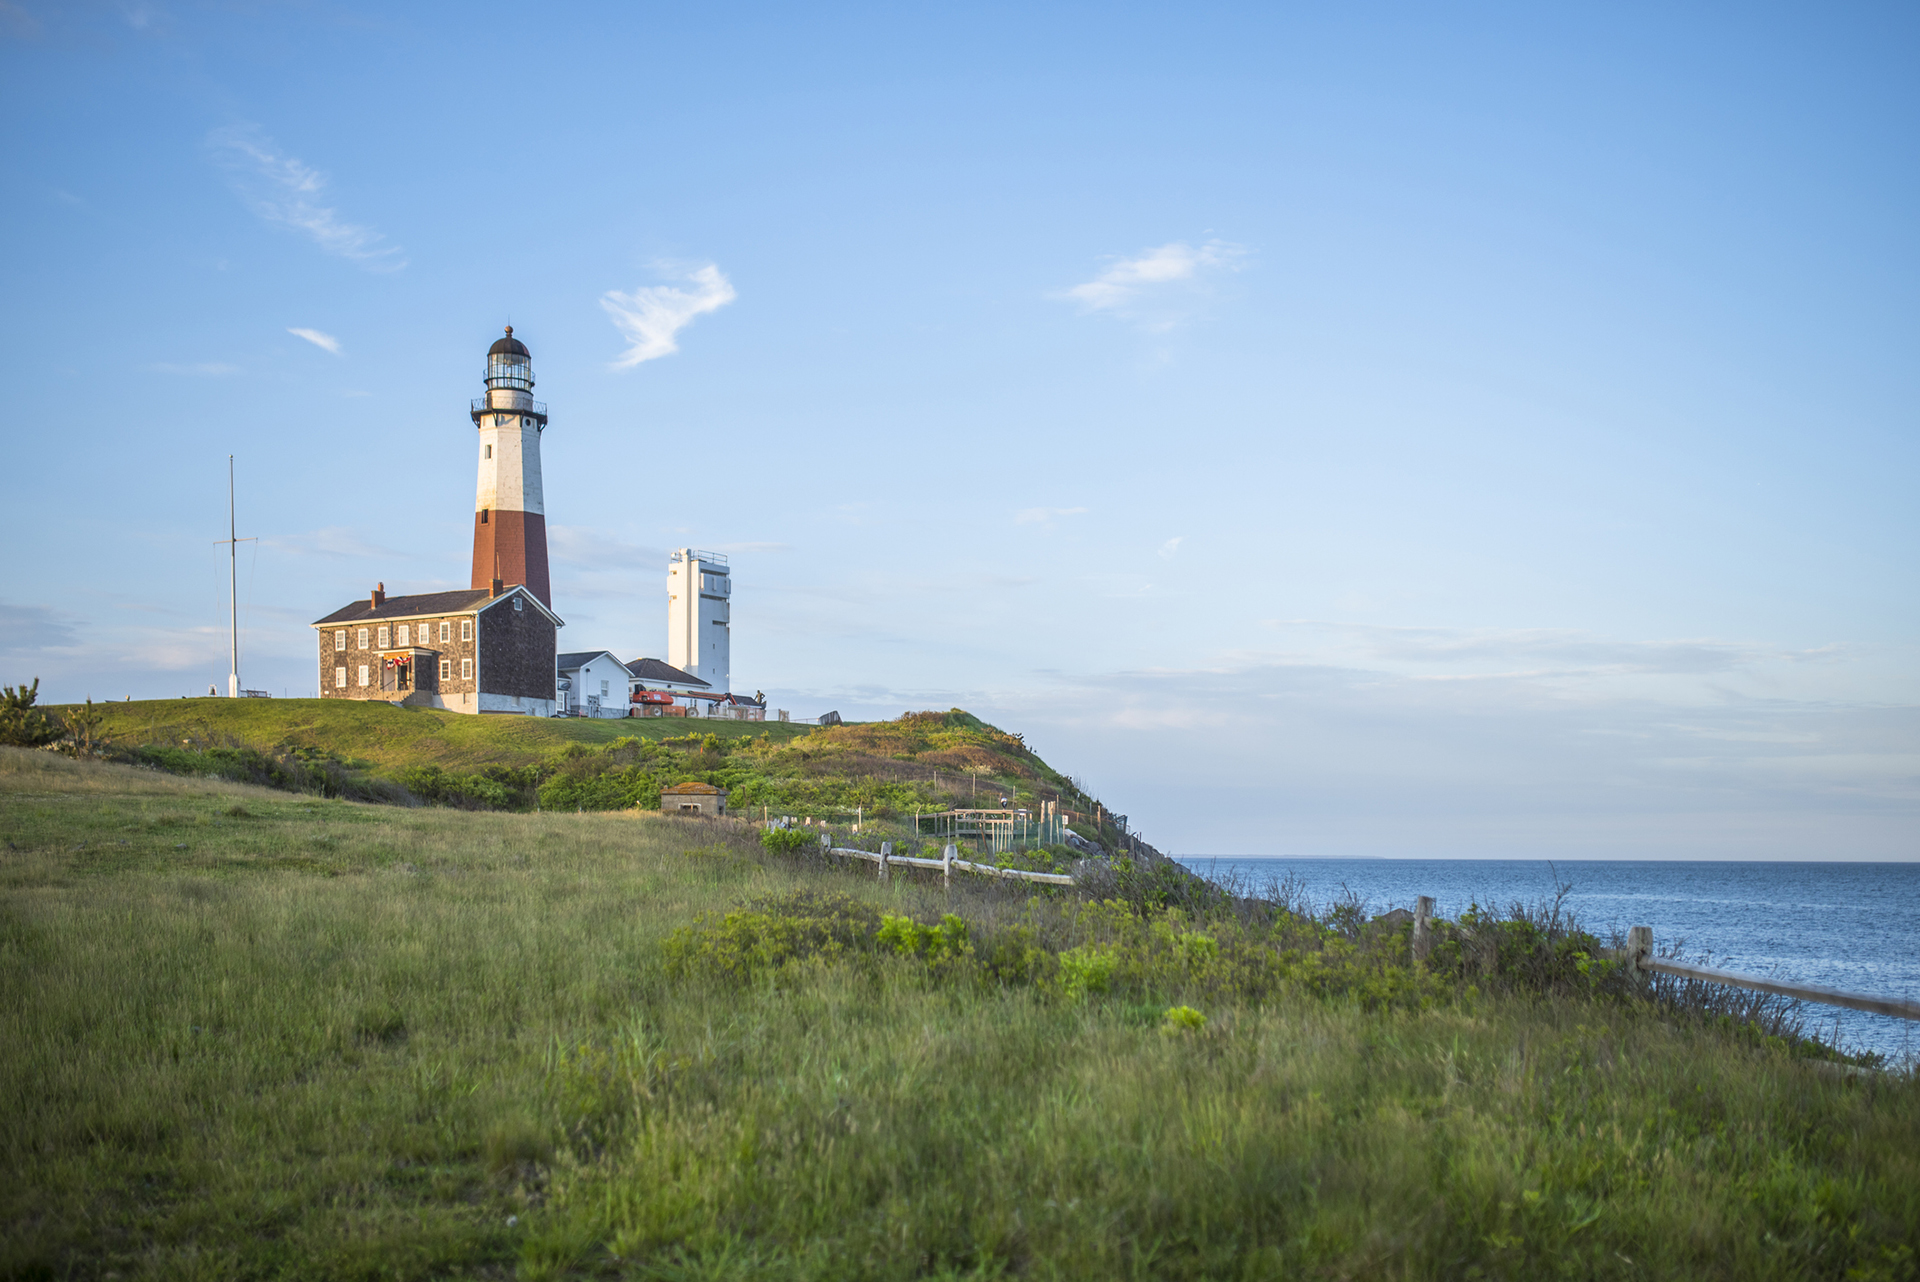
column 655, row 670
column 580, row 659
column 465, row 601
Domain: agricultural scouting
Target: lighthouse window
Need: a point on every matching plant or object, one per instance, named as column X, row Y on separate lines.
column 489, row 453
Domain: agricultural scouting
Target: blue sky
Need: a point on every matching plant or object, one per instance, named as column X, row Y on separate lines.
column 1405, row 430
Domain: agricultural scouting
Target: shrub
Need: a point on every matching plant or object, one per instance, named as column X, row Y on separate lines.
column 786, row 841
column 1182, row 1019
column 22, row 724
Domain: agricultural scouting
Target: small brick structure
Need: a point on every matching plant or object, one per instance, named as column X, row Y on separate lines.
column 693, row 799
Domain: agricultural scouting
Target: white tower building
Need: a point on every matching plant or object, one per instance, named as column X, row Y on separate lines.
column 699, row 626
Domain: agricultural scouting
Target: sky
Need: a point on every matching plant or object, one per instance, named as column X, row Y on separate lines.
column 1364, row 430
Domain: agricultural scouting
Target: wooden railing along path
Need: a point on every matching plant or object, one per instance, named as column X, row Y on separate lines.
column 948, row 863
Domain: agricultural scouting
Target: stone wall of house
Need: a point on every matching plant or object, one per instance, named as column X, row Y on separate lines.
column 517, row 651
column 346, row 648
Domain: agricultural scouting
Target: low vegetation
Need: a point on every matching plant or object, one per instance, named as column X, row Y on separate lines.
column 258, row 1033
column 880, row 772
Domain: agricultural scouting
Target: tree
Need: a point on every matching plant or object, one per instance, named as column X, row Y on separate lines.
column 23, row 725
column 83, row 730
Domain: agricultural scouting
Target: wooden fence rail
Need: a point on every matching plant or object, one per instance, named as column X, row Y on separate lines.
column 948, row 863
column 1638, row 954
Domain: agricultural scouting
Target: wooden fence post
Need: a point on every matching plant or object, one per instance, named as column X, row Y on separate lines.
column 1422, row 927
column 1639, row 946
column 886, row 849
column 946, row 865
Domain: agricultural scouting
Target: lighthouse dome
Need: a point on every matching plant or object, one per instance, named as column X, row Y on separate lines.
column 509, row 365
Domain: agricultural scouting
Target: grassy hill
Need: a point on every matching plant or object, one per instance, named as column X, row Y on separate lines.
column 250, row 1033
column 884, row 771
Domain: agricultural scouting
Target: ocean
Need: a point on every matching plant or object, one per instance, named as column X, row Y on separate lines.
column 1844, row 925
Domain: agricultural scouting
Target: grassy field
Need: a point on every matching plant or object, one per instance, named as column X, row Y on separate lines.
column 393, row 737
column 245, row 1033
column 882, row 771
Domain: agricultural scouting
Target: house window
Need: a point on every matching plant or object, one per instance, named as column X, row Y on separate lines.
column 363, row 674
column 466, row 669
column 446, row 630
column 339, row 678
column 363, row 638
column 446, row 666
column 386, row 640
column 466, row 629
column 603, row 689
column 406, row 636
column 516, row 605
column 340, row 639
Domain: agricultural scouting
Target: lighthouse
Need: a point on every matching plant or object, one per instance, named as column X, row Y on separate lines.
column 509, row 509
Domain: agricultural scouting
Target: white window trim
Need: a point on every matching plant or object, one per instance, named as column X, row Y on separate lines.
column 363, row 676
column 339, row 678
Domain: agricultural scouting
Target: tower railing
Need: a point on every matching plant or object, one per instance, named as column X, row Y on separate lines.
column 481, row 405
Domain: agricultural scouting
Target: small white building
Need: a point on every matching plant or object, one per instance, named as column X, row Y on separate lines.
column 592, row 683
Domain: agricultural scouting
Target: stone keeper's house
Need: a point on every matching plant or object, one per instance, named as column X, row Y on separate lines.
column 476, row 650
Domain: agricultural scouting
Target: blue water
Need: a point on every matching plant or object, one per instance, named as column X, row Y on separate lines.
column 1851, row 926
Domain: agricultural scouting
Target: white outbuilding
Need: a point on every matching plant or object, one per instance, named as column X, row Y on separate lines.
column 592, row 683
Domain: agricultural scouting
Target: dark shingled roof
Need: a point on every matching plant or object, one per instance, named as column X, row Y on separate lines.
column 655, row 670
column 403, row 607
column 579, row 658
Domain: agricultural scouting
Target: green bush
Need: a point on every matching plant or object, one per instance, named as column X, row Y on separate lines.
column 786, row 841
column 23, row 725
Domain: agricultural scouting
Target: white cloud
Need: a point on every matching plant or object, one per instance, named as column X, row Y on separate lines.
column 650, row 316
column 283, row 190
column 325, row 342
column 1045, row 515
column 1171, row 546
column 1155, row 286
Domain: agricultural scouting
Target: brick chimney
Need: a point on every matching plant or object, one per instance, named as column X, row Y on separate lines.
column 379, row 594
column 498, row 587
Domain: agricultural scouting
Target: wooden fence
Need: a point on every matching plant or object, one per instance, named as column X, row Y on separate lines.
column 948, row 863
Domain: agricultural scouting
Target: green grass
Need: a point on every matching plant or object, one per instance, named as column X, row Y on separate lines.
column 392, row 737
column 251, row 1034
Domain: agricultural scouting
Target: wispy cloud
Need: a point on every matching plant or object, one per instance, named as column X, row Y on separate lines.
column 282, row 189
column 325, row 342
column 1045, row 515
column 1156, row 286
column 650, row 317
column 204, row 369
column 1171, row 546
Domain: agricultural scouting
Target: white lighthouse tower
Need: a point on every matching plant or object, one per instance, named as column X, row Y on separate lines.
column 509, row 507
column 699, row 626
